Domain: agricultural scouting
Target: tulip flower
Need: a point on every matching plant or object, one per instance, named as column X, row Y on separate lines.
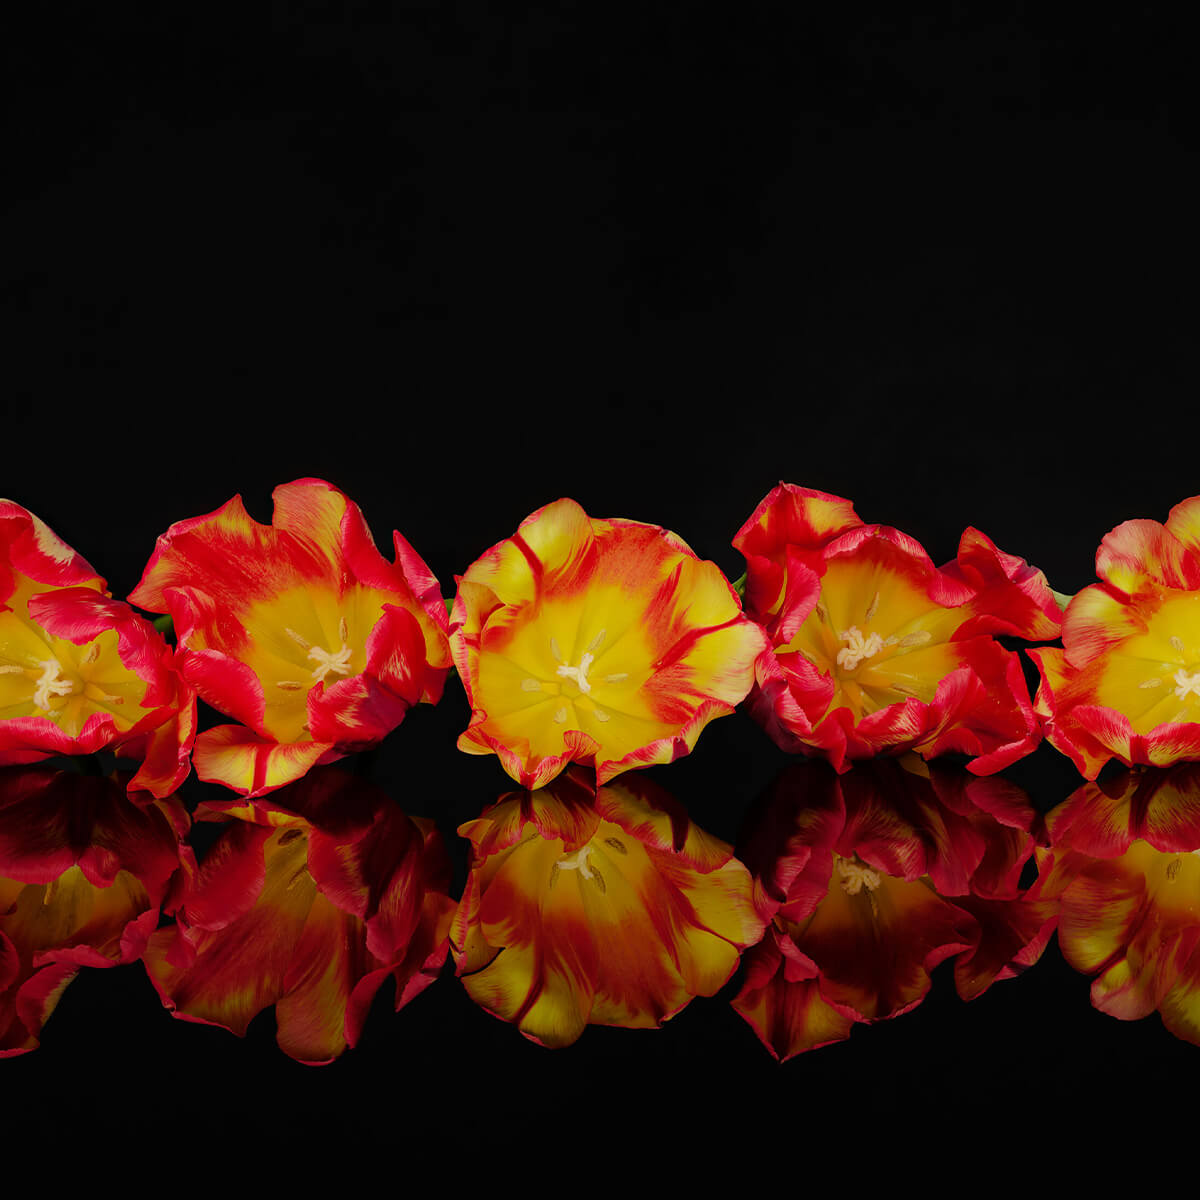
column 875, row 877
column 308, row 901
column 80, row 671
column 1126, row 683
column 876, row 650
column 605, row 643
column 83, row 872
column 604, row 907
column 300, row 629
column 1123, row 870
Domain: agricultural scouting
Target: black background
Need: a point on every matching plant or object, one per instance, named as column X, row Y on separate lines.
column 462, row 260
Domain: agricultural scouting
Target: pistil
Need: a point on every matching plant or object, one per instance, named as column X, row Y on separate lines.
column 857, row 648
column 51, row 683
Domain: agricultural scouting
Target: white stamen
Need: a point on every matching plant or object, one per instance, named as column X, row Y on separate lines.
column 7, row 670
column 554, row 649
column 92, row 653
column 51, row 683
column 290, row 685
column 343, row 630
column 856, row 876
column 1149, row 683
column 531, row 685
column 560, row 714
column 579, row 673
column 595, row 642
column 601, row 715
column 916, row 639
column 873, row 607
column 1187, row 684
column 578, row 861
column 619, row 677
column 303, row 643
column 857, row 648
column 1177, row 643
column 326, row 662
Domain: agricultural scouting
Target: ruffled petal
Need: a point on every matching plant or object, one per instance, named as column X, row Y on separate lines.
column 239, row 759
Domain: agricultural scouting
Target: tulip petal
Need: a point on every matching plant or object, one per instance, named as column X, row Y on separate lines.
column 1139, row 552
column 250, row 765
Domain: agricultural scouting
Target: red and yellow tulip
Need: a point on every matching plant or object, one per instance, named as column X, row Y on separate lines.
column 300, row 629
column 1123, row 869
column 603, row 907
column 1126, row 683
column 83, row 873
column 80, row 671
column 876, row 650
column 875, row 877
column 605, row 643
column 308, row 901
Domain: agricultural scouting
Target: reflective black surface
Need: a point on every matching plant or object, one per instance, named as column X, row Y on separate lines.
column 461, row 263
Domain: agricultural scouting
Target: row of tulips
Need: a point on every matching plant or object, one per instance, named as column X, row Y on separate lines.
column 604, row 643
column 585, row 648
column 604, row 905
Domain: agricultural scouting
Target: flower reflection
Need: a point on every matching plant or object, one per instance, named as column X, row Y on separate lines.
column 604, row 907
column 1123, row 866
column 308, row 901
column 875, row 877
column 83, row 872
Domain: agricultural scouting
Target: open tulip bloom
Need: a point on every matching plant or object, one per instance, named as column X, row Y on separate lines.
column 308, row 901
column 602, row 642
column 300, row 629
column 876, row 650
column 1126, row 683
column 80, row 671
column 597, row 906
column 83, row 873
column 1123, row 871
column 878, row 875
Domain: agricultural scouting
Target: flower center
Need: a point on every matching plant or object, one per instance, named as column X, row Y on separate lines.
column 1187, row 684
column 578, row 674
column 577, row 861
column 576, row 686
column 857, row 875
column 51, row 683
column 326, row 661
column 857, row 647
column 337, row 661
